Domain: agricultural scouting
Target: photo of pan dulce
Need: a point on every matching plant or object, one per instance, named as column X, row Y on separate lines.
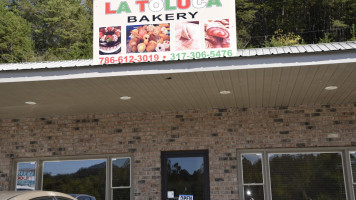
column 148, row 38
column 217, row 34
column 187, row 36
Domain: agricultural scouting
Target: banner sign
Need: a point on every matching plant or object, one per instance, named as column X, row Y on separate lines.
column 136, row 31
column 26, row 179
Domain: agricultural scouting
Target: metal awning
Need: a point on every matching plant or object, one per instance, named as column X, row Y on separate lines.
column 266, row 80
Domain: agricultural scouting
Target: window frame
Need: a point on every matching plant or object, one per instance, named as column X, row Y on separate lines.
column 345, row 157
column 243, row 184
column 112, row 188
column 40, row 165
column 352, row 183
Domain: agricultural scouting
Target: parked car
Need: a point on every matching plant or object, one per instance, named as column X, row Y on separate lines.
column 34, row 195
column 82, row 196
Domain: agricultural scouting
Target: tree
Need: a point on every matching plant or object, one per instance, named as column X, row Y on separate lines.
column 16, row 44
column 64, row 30
column 245, row 17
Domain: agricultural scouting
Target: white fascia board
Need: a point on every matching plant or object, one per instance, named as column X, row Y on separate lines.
column 237, row 63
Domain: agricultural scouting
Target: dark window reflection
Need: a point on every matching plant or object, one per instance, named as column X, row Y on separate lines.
column 76, row 177
column 253, row 192
column 316, row 176
column 353, row 165
column 186, row 176
column 252, row 168
column 121, row 194
column 121, row 172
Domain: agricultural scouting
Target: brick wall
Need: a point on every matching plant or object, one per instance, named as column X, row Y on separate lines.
column 145, row 135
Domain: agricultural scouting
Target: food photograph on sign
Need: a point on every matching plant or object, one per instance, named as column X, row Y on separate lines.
column 217, row 34
column 148, row 38
column 187, row 36
column 163, row 30
column 109, row 40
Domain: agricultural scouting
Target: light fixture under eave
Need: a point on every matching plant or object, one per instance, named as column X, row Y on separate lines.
column 30, row 103
column 225, row 92
column 329, row 88
column 125, row 98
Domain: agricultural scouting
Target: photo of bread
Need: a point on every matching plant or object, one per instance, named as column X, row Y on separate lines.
column 217, row 34
column 148, row 38
column 187, row 36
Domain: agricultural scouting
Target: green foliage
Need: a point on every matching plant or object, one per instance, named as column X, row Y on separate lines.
column 37, row 30
column 310, row 19
column 326, row 39
column 60, row 29
column 64, row 30
column 16, row 44
column 353, row 33
column 281, row 39
column 245, row 15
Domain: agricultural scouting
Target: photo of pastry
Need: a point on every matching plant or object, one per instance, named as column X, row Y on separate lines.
column 217, row 34
column 148, row 38
column 109, row 40
column 187, row 36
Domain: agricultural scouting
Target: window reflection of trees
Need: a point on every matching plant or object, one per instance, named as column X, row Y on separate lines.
column 89, row 180
column 316, row 176
column 121, row 173
column 121, row 169
column 182, row 182
column 252, row 169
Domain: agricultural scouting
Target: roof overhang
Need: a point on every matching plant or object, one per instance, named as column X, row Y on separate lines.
column 253, row 81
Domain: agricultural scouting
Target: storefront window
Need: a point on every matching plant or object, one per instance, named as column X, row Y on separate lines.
column 307, row 176
column 185, row 173
column 252, row 176
column 76, row 177
column 299, row 175
column 121, row 178
column 26, row 176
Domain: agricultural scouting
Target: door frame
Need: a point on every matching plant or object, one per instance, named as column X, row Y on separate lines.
column 181, row 154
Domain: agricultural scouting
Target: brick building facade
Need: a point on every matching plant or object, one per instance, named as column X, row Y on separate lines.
column 144, row 135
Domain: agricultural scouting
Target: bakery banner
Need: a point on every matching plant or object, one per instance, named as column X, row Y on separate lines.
column 136, row 31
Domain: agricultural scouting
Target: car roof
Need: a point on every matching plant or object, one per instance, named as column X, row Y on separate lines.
column 26, row 195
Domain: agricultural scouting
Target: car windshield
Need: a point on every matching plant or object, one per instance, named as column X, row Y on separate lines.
column 42, row 198
column 50, row 198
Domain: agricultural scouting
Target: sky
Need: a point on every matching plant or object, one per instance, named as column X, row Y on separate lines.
column 190, row 164
column 67, row 167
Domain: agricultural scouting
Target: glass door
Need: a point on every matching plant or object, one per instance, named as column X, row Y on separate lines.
column 185, row 175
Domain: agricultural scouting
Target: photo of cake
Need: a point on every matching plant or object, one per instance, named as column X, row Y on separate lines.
column 109, row 40
column 148, row 38
column 217, row 34
column 187, row 35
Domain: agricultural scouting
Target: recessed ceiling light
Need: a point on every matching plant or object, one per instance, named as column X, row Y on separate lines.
column 30, row 103
column 331, row 88
column 125, row 98
column 225, row 92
